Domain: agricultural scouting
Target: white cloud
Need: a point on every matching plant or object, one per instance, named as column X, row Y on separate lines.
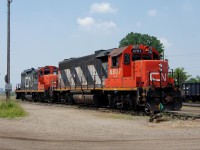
column 165, row 42
column 102, row 8
column 90, row 24
column 86, row 22
column 152, row 12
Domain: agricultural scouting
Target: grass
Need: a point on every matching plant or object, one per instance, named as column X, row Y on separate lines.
column 11, row 109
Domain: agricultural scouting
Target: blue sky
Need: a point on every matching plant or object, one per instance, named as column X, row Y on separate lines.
column 44, row 32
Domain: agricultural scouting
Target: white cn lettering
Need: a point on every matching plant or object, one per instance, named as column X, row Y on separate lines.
column 27, row 79
column 163, row 76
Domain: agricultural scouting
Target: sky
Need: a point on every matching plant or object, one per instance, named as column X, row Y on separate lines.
column 45, row 32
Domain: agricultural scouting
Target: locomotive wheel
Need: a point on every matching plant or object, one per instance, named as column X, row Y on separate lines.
column 35, row 99
column 111, row 105
column 117, row 103
column 54, row 98
column 66, row 100
column 70, row 99
column 130, row 104
column 22, row 98
column 96, row 100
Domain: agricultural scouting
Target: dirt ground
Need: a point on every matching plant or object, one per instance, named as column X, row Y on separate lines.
column 51, row 127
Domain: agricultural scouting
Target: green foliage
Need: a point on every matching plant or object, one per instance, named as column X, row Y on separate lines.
column 11, row 109
column 198, row 78
column 181, row 75
column 145, row 39
column 194, row 80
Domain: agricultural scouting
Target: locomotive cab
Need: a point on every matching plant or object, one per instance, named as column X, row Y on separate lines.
column 47, row 77
column 129, row 66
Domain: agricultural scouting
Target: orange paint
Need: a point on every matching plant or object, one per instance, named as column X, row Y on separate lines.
column 47, row 77
column 136, row 66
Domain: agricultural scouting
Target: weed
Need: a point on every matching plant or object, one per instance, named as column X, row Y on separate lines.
column 11, row 109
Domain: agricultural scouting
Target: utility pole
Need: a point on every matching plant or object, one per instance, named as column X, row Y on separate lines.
column 8, row 52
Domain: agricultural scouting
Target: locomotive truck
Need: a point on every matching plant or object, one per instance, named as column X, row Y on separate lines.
column 130, row 77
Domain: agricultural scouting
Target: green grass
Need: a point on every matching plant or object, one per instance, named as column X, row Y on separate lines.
column 11, row 109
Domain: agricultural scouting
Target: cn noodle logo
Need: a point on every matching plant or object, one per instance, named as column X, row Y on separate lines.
column 155, row 76
column 28, row 81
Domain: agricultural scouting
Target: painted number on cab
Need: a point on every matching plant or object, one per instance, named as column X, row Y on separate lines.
column 114, row 72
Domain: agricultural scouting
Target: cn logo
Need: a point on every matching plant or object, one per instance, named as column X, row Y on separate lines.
column 155, row 76
column 29, row 81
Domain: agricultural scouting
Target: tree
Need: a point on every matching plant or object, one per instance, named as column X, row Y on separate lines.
column 181, row 75
column 145, row 39
column 194, row 80
column 198, row 78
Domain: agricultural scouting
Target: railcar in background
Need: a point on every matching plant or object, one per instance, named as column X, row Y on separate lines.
column 190, row 92
column 128, row 77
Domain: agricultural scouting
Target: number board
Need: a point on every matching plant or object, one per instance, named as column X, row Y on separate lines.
column 137, row 51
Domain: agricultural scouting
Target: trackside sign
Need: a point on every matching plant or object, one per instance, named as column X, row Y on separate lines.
column 8, row 87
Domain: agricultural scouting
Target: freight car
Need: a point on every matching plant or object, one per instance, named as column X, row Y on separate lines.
column 128, row 77
column 190, row 91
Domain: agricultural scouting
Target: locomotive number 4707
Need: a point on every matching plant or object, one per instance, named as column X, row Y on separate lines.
column 114, row 71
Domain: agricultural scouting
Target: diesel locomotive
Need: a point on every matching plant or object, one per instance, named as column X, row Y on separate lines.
column 130, row 77
column 36, row 83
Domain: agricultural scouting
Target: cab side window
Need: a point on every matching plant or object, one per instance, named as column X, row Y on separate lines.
column 41, row 73
column 126, row 59
column 115, row 61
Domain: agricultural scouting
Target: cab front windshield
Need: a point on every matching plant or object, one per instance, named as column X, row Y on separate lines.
column 144, row 54
column 141, row 57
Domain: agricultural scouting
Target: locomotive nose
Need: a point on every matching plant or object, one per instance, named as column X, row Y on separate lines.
column 157, row 73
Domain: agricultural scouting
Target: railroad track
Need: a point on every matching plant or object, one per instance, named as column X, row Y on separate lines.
column 89, row 107
column 197, row 104
column 185, row 114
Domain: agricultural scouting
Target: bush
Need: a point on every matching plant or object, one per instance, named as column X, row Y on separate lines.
column 11, row 109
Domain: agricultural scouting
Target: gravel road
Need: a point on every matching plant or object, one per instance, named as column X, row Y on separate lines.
column 51, row 127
